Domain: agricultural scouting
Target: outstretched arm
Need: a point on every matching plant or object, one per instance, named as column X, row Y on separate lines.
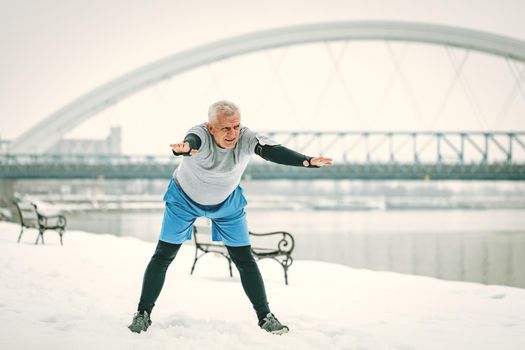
column 282, row 155
column 188, row 147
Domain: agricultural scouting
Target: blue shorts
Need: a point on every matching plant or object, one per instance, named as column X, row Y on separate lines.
column 228, row 218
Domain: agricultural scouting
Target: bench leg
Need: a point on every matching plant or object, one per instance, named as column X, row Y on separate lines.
column 230, row 265
column 40, row 236
column 286, row 264
column 20, row 235
column 193, row 266
column 197, row 257
column 195, row 261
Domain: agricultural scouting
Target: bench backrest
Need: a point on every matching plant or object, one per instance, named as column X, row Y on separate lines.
column 272, row 241
column 28, row 215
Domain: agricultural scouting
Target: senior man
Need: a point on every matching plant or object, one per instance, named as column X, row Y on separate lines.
column 206, row 183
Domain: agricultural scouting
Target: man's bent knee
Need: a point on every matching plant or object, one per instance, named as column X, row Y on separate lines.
column 241, row 255
column 165, row 252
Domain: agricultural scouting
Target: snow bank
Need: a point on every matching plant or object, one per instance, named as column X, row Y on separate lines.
column 83, row 296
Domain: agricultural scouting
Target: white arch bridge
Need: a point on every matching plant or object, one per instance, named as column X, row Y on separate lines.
column 363, row 155
column 44, row 134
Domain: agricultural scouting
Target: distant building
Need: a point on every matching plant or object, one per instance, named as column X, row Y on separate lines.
column 109, row 145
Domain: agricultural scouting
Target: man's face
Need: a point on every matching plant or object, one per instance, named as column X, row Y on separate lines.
column 226, row 130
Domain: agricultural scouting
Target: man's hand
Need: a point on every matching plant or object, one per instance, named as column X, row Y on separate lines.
column 182, row 148
column 319, row 162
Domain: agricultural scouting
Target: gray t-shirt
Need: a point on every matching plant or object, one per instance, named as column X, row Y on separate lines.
column 211, row 175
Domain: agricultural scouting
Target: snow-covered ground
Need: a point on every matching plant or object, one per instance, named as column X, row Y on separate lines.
column 82, row 296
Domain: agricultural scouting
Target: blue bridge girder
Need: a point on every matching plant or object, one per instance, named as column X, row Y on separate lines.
column 357, row 155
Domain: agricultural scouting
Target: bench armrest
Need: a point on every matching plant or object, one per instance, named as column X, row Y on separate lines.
column 286, row 243
column 50, row 221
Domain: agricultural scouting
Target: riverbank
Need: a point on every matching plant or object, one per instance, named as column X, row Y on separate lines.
column 82, row 295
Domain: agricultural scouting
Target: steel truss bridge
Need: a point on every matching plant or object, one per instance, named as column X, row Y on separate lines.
column 357, row 155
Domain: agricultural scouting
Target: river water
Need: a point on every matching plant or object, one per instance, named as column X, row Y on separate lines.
column 465, row 231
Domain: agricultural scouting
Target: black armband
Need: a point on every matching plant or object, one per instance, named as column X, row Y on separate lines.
column 194, row 141
column 282, row 155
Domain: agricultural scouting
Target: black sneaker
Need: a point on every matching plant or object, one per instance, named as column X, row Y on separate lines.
column 271, row 324
column 141, row 322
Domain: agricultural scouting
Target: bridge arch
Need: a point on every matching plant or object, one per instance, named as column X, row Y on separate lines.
column 48, row 131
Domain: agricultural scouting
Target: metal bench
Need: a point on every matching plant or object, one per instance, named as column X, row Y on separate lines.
column 277, row 245
column 31, row 217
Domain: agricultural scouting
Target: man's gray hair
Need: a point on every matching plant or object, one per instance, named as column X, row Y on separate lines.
column 224, row 108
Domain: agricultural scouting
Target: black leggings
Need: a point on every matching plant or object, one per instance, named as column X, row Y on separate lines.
column 251, row 278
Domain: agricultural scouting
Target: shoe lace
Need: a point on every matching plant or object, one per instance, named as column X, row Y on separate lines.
column 271, row 322
column 138, row 317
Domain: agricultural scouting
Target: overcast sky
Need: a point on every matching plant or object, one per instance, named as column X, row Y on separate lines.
column 56, row 50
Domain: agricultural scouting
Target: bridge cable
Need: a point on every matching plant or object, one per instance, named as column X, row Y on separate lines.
column 286, row 95
column 511, row 97
column 276, row 77
column 343, row 82
column 518, row 78
column 389, row 85
column 451, row 87
column 474, row 104
column 406, row 85
column 328, row 83
column 263, row 98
